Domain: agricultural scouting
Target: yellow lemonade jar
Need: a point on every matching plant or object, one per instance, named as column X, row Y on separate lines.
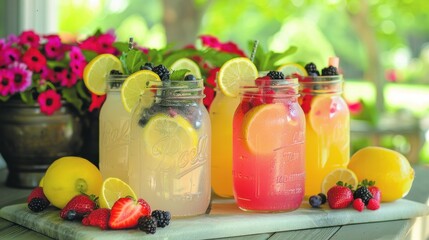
column 327, row 137
column 222, row 112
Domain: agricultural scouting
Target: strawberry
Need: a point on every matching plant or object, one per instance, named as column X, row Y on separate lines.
column 82, row 204
column 373, row 204
column 37, row 192
column 376, row 193
column 99, row 218
column 358, row 204
column 340, row 196
column 126, row 212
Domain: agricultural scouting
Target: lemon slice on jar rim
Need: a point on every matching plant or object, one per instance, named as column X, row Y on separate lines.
column 186, row 63
column 134, row 86
column 97, row 71
column 234, row 73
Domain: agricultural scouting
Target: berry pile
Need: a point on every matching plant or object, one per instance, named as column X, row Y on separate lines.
column 126, row 213
column 342, row 196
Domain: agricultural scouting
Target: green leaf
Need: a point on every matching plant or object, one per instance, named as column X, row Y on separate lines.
column 82, row 91
column 174, row 56
column 121, row 46
column 4, row 98
column 134, row 59
column 27, row 97
column 179, row 74
column 89, row 55
column 70, row 95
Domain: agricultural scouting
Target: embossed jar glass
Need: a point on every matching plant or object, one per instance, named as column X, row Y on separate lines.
column 169, row 154
column 114, row 132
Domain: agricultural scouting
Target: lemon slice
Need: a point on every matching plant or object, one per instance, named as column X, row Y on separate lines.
column 326, row 109
column 339, row 174
column 186, row 63
column 113, row 189
column 167, row 138
column 262, row 126
column 235, row 73
column 134, row 85
column 292, row 68
column 97, row 71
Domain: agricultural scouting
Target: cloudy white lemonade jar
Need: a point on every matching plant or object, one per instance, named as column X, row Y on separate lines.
column 268, row 147
column 114, row 131
column 169, row 155
column 327, row 126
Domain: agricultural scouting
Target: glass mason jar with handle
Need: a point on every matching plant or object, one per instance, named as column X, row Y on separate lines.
column 169, row 155
column 327, row 128
column 268, row 147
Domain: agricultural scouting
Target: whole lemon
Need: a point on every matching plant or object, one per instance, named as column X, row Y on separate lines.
column 69, row 176
column 390, row 170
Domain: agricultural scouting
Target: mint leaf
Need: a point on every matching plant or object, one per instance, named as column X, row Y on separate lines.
column 179, row 74
column 134, row 60
column 269, row 60
column 70, row 95
column 121, row 46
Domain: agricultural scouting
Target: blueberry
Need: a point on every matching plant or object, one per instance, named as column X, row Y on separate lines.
column 71, row 215
column 323, row 197
column 190, row 77
column 315, row 201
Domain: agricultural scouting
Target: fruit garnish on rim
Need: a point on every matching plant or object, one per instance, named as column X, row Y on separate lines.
column 235, row 73
column 97, row 71
column 292, row 70
column 186, row 63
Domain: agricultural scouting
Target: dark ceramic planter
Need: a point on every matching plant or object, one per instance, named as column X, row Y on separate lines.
column 30, row 141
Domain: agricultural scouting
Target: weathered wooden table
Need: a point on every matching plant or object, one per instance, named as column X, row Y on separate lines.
column 396, row 220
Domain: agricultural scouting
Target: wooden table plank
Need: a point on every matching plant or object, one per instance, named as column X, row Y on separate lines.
column 316, row 233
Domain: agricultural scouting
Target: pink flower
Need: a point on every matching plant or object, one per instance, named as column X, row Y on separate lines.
column 49, row 101
column 59, row 74
column 96, row 101
column 47, row 74
column 105, row 44
column 76, row 54
column 356, row 107
column 77, row 67
column 67, row 78
column 231, row 47
column 210, row 41
column 6, row 82
column 34, row 59
column 21, row 77
column 53, row 48
column 9, row 55
column 210, row 85
column 30, row 38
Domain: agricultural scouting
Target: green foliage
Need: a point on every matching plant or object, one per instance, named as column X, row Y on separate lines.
column 178, row 74
column 269, row 60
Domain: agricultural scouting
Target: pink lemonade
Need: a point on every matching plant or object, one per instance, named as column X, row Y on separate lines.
column 268, row 150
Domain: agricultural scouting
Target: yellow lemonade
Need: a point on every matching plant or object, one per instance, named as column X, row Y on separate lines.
column 327, row 135
column 221, row 115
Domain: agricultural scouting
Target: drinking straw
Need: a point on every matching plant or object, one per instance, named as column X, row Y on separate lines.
column 130, row 43
column 255, row 46
column 334, row 61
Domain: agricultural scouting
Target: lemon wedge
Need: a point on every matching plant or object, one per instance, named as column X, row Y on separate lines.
column 113, row 189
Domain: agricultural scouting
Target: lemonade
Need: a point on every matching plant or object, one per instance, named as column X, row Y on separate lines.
column 114, row 132
column 169, row 157
column 327, row 128
column 222, row 112
column 268, row 148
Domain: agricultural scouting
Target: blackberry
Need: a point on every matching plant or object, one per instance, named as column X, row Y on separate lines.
column 162, row 217
column 146, row 66
column 38, row 204
column 315, row 201
column 311, row 69
column 329, row 71
column 115, row 72
column 147, row 224
column 363, row 193
column 162, row 72
column 276, row 75
column 190, row 77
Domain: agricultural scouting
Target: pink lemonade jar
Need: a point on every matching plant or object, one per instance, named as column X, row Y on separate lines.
column 268, row 147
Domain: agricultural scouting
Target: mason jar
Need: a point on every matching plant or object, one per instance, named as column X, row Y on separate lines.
column 114, row 132
column 268, row 147
column 169, row 155
column 327, row 128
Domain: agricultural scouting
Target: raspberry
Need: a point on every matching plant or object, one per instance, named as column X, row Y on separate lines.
column 358, row 204
column 373, row 204
column 99, row 218
column 162, row 217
